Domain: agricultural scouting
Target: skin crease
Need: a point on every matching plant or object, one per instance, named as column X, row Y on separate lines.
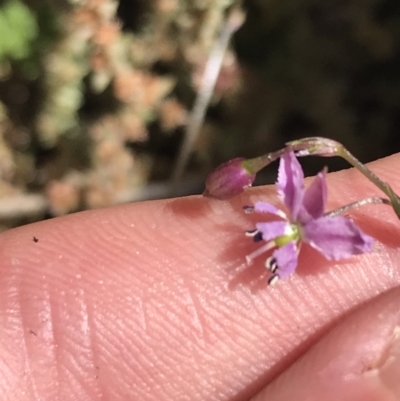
column 153, row 301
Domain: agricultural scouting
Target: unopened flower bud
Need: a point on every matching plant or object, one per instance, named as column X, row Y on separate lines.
column 229, row 179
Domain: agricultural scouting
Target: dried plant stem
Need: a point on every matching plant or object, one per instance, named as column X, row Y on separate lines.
column 213, row 67
column 23, row 206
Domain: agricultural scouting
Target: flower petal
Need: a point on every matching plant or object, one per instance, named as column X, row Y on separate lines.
column 272, row 229
column 314, row 201
column 263, row 207
column 286, row 259
column 291, row 183
column 336, row 237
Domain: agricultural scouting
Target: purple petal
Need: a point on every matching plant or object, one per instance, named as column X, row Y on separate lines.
column 291, row 183
column 263, row 207
column 272, row 229
column 336, row 237
column 286, row 259
column 314, row 201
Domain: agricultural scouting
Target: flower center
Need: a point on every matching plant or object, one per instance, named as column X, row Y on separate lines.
column 292, row 234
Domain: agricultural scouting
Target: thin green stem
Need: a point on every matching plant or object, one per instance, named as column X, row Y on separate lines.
column 345, row 154
column 383, row 186
column 256, row 164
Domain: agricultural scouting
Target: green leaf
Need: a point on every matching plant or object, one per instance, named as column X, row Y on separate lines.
column 18, row 28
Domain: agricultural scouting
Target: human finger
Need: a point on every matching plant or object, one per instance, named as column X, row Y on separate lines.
column 359, row 360
column 154, row 301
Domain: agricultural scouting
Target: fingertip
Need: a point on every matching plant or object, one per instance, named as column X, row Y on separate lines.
column 359, row 360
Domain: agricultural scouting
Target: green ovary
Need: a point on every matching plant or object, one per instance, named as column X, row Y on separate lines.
column 293, row 235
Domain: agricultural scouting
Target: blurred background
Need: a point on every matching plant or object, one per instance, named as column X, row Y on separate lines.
column 96, row 95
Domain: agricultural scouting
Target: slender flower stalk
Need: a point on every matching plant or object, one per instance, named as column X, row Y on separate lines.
column 317, row 146
column 357, row 204
column 327, row 147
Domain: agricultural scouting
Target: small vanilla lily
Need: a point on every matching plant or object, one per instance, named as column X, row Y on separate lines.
column 335, row 237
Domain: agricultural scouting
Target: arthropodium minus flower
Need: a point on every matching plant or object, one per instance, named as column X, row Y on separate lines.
column 335, row 237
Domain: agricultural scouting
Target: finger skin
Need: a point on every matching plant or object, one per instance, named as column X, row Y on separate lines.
column 357, row 361
column 152, row 301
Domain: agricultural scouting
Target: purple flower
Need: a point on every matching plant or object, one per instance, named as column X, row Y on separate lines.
column 335, row 237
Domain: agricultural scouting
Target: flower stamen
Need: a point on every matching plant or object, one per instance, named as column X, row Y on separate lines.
column 271, row 264
column 251, row 233
column 273, row 279
column 260, row 251
column 255, row 234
